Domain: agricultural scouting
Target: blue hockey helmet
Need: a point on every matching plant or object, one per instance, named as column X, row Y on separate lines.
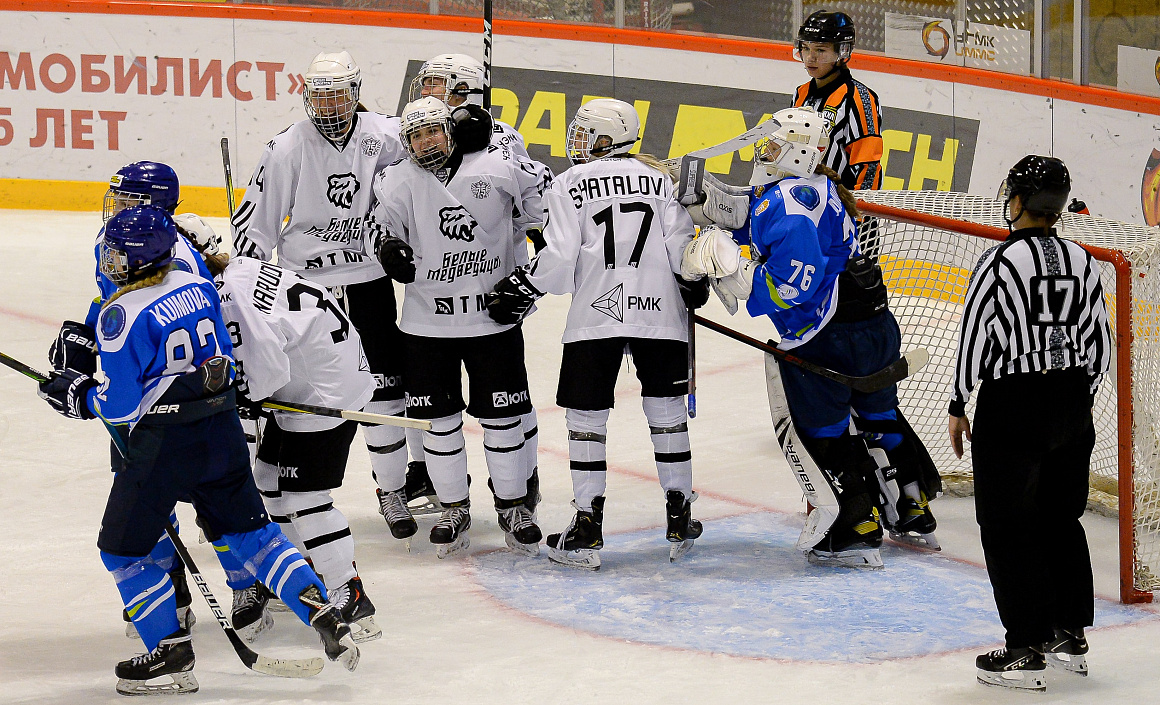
column 137, row 241
column 141, row 183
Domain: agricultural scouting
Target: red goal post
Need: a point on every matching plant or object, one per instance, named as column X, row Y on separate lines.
column 928, row 243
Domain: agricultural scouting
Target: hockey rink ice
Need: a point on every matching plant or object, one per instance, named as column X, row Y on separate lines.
column 741, row 619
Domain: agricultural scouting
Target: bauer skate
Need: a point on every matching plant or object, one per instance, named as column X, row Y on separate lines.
column 852, row 547
column 450, row 533
column 335, row 633
column 916, row 523
column 421, row 497
column 172, row 659
column 185, row 616
column 1066, row 652
column 249, row 614
column 1018, row 669
column 356, row 609
column 579, row 545
column 393, row 507
column 683, row 529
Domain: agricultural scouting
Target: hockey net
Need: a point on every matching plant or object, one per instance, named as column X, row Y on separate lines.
column 928, row 243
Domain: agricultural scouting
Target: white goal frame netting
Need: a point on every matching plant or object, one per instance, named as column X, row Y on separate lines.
column 928, row 243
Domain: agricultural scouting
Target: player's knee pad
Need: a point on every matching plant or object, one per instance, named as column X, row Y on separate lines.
column 587, row 453
column 446, row 458
column 445, row 435
column 378, row 435
column 664, row 412
column 265, row 477
column 669, row 432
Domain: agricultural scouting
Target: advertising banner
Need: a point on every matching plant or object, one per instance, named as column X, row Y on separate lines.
column 978, row 45
column 1138, row 70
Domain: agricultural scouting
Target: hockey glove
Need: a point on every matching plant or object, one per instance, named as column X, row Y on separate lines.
column 694, row 293
column 67, row 393
column 536, row 235
column 398, row 259
column 75, row 348
column 713, row 254
column 471, row 128
column 512, row 299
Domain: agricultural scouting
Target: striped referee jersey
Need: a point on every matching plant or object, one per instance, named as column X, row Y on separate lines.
column 1034, row 304
column 852, row 111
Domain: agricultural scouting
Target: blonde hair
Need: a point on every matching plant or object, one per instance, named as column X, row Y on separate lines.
column 843, row 193
column 651, row 161
column 154, row 278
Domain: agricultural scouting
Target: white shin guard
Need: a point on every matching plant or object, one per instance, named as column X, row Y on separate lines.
column 324, row 532
column 531, row 451
column 669, row 429
column 415, row 444
column 587, row 454
column 387, row 446
column 447, row 458
column 503, row 446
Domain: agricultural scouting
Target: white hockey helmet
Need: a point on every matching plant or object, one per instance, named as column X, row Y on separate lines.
column 794, row 149
column 330, row 93
column 602, row 128
column 426, row 132
column 199, row 233
column 454, row 79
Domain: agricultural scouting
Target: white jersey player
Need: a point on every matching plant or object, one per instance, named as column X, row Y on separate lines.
column 318, row 173
column 448, row 223
column 615, row 236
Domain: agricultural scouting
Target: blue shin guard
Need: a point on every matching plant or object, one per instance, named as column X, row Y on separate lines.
column 148, row 595
column 268, row 554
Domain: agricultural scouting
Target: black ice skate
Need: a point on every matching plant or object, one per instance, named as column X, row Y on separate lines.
column 421, row 497
column 172, row 660
column 533, row 499
column 356, row 610
column 450, row 533
column 856, row 546
column 682, row 529
column 1019, row 669
column 393, row 507
column 916, row 523
column 579, row 545
column 335, row 633
column 249, row 614
column 1067, row 650
column 185, row 616
column 518, row 524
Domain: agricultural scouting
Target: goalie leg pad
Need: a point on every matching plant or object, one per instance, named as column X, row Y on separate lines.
column 908, row 455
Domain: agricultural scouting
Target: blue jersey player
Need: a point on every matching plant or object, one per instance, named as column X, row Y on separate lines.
column 167, row 392
column 829, row 305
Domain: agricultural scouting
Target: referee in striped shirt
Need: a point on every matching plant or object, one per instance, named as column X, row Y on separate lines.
column 1035, row 328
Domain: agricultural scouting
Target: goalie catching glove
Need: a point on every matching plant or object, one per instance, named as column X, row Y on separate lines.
column 714, row 254
column 513, row 297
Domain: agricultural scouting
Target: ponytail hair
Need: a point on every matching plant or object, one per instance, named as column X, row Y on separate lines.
column 651, row 161
column 844, row 193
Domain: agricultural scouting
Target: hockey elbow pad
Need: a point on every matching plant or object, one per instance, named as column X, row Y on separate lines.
column 397, row 259
column 512, row 298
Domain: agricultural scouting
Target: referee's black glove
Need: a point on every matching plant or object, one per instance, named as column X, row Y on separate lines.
column 512, row 298
column 398, row 259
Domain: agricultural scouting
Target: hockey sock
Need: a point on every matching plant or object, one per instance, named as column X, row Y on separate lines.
column 324, row 532
column 237, row 577
column 387, row 446
column 164, row 554
column 531, row 451
column 503, row 446
column 669, row 430
column 887, row 441
column 447, row 458
column 270, row 556
column 148, row 595
column 266, row 478
column 415, row 444
column 587, row 454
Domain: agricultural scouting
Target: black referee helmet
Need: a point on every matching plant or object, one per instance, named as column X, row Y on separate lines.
column 1042, row 184
column 834, row 27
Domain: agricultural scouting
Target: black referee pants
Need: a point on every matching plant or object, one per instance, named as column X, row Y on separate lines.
column 1033, row 439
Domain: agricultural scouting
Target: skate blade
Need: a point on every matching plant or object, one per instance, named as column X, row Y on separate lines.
column 276, row 605
column 349, row 658
column 251, row 632
column 447, row 550
column 1072, row 663
column 1014, row 680
column 185, row 617
column 679, row 549
column 364, row 630
column 865, row 558
column 927, row 541
column 585, row 558
column 424, row 506
column 527, row 549
column 178, row 683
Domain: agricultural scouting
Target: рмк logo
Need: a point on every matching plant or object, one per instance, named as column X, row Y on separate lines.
column 936, row 39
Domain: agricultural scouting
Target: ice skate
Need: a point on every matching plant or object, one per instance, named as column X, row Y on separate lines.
column 356, row 610
column 856, row 556
column 854, row 546
column 682, row 529
column 393, row 507
column 450, row 533
column 335, row 633
column 533, row 498
column 1066, row 652
column 520, row 531
column 421, row 497
column 916, row 523
column 249, row 614
column 169, row 667
column 185, row 616
column 579, row 545
column 1018, row 669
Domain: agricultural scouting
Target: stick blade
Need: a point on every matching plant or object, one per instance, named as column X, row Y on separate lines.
column 288, row 668
column 916, row 360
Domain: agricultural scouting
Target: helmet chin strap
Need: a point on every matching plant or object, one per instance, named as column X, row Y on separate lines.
column 1006, row 210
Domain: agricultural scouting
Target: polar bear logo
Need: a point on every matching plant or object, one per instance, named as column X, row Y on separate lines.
column 457, row 223
column 341, row 188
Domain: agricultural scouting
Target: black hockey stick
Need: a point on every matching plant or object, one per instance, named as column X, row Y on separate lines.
column 229, row 175
column 692, row 364
column 22, row 368
column 908, row 364
column 362, row 417
column 487, row 38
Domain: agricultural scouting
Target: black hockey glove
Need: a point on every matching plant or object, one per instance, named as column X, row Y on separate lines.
column 67, row 393
column 512, row 298
column 471, row 128
column 249, row 409
column 695, row 293
column 398, row 259
column 75, row 348
column 536, row 235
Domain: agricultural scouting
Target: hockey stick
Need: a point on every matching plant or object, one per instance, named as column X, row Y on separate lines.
column 692, row 364
column 487, row 38
column 229, row 175
column 908, row 364
column 360, row 416
column 283, row 668
column 22, row 368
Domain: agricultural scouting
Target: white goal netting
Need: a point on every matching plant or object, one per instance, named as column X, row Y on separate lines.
column 927, row 270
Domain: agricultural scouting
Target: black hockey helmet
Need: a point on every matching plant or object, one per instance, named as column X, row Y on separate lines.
column 1042, row 184
column 834, row 27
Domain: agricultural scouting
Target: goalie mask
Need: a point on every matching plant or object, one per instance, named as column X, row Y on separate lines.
column 454, row 79
column 138, row 184
column 426, row 132
column 137, row 242
column 795, row 149
column 603, row 127
column 330, row 93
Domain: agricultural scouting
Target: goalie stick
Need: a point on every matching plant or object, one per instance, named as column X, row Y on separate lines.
column 908, row 364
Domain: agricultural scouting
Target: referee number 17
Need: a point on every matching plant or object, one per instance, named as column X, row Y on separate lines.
column 1055, row 300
